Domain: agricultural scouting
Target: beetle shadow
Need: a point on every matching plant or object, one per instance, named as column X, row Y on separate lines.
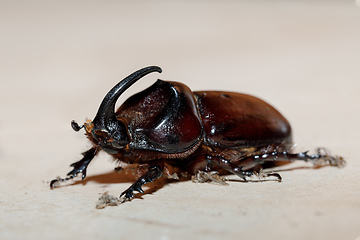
column 128, row 176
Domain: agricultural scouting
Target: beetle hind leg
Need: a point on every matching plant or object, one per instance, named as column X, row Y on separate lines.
column 321, row 158
column 152, row 174
column 79, row 167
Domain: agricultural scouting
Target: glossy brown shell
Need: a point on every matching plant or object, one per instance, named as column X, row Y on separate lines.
column 162, row 118
column 239, row 120
column 168, row 117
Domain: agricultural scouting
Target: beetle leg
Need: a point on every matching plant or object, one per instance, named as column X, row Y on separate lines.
column 229, row 166
column 79, row 167
column 322, row 157
column 152, row 174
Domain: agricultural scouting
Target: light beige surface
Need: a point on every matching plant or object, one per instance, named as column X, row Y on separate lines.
column 59, row 58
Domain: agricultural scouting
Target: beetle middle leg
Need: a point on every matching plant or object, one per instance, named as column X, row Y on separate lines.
column 153, row 173
column 229, row 166
column 236, row 169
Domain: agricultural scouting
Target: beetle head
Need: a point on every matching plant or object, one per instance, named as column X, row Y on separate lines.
column 108, row 132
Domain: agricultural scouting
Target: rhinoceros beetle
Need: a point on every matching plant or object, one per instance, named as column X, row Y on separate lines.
column 169, row 125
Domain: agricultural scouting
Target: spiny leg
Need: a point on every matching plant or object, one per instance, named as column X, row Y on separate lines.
column 322, row 157
column 79, row 167
column 272, row 154
column 238, row 170
column 153, row 173
column 229, row 166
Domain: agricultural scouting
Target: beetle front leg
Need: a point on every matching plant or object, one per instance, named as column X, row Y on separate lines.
column 153, row 173
column 79, row 167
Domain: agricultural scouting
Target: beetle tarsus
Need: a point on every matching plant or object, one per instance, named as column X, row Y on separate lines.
column 321, row 158
column 55, row 183
column 79, row 167
column 278, row 176
column 263, row 176
column 152, row 174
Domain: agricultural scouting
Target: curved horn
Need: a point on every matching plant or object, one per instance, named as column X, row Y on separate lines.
column 105, row 117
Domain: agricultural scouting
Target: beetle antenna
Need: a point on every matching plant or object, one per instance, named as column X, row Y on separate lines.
column 76, row 126
column 105, row 117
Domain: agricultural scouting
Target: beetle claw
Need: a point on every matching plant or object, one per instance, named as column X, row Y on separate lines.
column 263, row 176
column 55, row 183
column 275, row 175
column 267, row 175
column 128, row 194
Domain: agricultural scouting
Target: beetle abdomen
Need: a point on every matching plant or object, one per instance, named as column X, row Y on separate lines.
column 239, row 120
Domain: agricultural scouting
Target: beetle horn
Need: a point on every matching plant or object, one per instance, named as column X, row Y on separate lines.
column 105, row 117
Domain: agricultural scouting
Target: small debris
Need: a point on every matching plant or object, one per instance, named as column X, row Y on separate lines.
column 213, row 177
column 173, row 176
column 109, row 200
column 326, row 159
